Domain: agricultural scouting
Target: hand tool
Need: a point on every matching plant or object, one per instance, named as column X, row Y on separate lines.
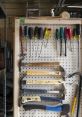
column 69, row 36
column 43, row 73
column 30, row 36
column 61, row 38
column 65, row 39
column 42, row 91
column 57, row 36
column 41, row 32
column 74, row 101
column 35, row 37
column 36, row 32
column 40, row 36
column 49, row 103
column 25, row 99
column 78, row 39
column 79, row 92
column 26, row 35
column 47, row 34
column 43, row 82
column 42, row 64
column 21, row 44
column 61, row 108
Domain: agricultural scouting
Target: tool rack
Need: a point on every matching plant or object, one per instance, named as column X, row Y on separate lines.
column 69, row 62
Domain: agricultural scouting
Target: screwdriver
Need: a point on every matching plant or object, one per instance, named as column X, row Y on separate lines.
column 78, row 38
column 40, row 36
column 65, row 39
column 26, row 35
column 30, row 36
column 21, row 34
column 61, row 37
column 47, row 35
column 69, row 36
column 35, row 36
column 56, row 36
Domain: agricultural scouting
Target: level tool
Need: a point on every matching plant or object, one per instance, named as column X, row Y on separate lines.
column 43, row 82
column 44, row 64
column 43, row 72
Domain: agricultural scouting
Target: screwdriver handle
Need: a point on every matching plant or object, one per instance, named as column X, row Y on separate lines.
column 61, row 37
column 65, row 39
column 57, row 34
column 25, row 31
column 78, row 31
column 40, row 33
column 30, row 32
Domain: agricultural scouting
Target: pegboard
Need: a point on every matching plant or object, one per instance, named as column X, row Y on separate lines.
column 37, row 52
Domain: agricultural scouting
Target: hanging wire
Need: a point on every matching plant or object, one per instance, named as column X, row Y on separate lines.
column 62, row 4
column 58, row 5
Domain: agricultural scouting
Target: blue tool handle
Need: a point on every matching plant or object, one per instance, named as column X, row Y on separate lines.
column 53, row 108
column 51, row 99
column 48, row 108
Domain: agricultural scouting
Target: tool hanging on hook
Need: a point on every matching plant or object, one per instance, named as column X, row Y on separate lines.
column 26, row 35
column 57, row 36
column 40, row 37
column 78, row 39
column 30, row 36
column 65, row 39
column 61, row 38
column 47, row 34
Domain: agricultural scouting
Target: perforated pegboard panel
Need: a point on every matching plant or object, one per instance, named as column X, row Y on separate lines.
column 37, row 52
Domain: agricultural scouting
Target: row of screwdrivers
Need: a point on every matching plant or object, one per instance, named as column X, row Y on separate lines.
column 40, row 32
column 61, row 34
column 66, row 33
column 36, row 33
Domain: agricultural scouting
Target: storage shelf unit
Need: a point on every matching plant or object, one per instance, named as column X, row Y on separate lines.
column 69, row 63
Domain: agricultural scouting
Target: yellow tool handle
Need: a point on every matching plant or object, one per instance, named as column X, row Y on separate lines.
column 73, row 106
column 43, row 82
column 30, row 98
column 43, row 72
